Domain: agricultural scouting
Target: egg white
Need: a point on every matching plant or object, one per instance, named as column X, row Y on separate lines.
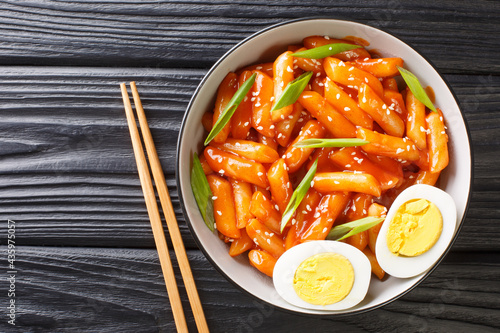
column 405, row 267
column 287, row 264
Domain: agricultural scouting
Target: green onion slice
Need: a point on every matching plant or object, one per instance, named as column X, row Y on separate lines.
column 230, row 108
column 298, row 195
column 202, row 193
column 292, row 91
column 352, row 228
column 320, row 143
column 416, row 88
column 324, row 51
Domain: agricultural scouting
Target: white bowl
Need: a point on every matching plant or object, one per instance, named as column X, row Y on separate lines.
column 265, row 45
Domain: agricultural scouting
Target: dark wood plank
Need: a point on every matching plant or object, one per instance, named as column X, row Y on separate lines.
column 68, row 176
column 458, row 36
column 122, row 290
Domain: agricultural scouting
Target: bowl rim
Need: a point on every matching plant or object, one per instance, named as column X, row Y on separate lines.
column 181, row 195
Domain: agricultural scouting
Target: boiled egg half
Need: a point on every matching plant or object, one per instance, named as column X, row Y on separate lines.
column 322, row 275
column 416, row 232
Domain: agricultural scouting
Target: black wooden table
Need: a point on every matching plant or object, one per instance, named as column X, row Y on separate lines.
column 85, row 258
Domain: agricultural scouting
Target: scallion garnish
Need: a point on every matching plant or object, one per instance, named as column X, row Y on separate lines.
column 202, row 193
column 416, row 88
column 230, row 108
column 325, row 50
column 298, row 195
column 320, row 143
column 352, row 228
column 292, row 91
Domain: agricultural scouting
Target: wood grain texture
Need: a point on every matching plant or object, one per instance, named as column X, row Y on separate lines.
column 196, row 33
column 67, row 172
column 121, row 290
column 86, row 259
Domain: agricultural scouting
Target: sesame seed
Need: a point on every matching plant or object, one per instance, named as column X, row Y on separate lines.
column 258, row 104
column 294, row 221
column 221, row 171
column 408, row 147
column 330, row 118
column 336, row 182
column 360, row 160
column 350, row 86
column 245, row 99
column 282, row 116
column 271, row 127
column 338, row 96
column 257, row 231
column 312, row 182
column 237, row 144
column 260, row 128
column 272, row 98
column 214, row 197
column 280, row 135
column 259, row 174
column 255, row 241
column 347, row 108
column 364, row 99
column 290, row 117
column 268, row 241
column 422, row 129
column 219, row 213
column 366, row 59
column 350, row 69
column 325, row 229
column 384, row 106
column 353, row 208
column 341, row 63
column 388, row 112
column 246, row 124
column 399, row 151
column 304, row 212
column 288, row 69
column 252, row 99
column 361, row 89
column 277, row 207
column 366, row 80
column 364, row 211
column 300, row 120
column 347, row 165
column 287, row 126
column 350, row 79
column 316, row 215
column 258, row 67
column 389, row 182
column 326, row 37
column 271, row 234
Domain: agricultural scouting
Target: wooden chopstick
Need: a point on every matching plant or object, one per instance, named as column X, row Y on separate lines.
column 168, row 211
column 155, row 219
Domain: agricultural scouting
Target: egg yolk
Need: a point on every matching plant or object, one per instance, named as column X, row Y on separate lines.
column 415, row 228
column 324, row 278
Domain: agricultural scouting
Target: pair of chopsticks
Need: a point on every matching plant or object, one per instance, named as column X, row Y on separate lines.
column 154, row 215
